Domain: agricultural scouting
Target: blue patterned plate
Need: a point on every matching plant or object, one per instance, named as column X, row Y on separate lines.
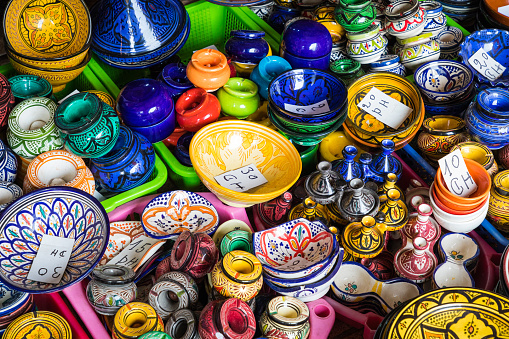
column 11, row 299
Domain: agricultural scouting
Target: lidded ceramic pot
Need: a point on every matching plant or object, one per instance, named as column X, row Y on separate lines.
column 239, row 97
column 384, row 162
column 175, row 78
column 128, row 164
column 229, row 319
column 395, row 210
column 310, row 210
column 347, row 167
column 322, row 185
column 364, row 239
column 88, row 126
column 31, row 128
column 8, row 164
column 58, row 168
column 499, row 202
column 416, row 262
column 111, row 287
column 389, row 183
column 196, row 108
column 135, row 319
column 32, row 324
column 246, row 46
column 358, row 201
column 281, row 15
column 286, row 316
column 208, row 69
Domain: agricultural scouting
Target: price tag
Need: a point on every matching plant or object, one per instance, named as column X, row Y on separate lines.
column 319, row 107
column 456, row 176
column 51, row 260
column 208, row 47
column 134, row 252
column 486, row 65
column 384, row 108
column 504, row 10
column 70, row 94
column 242, row 179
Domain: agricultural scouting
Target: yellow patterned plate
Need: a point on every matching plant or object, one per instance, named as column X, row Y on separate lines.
column 41, row 324
column 368, row 129
column 47, row 28
column 452, row 313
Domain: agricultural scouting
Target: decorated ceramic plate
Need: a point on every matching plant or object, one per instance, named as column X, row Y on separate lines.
column 40, row 324
column 170, row 213
column 452, row 313
column 10, row 299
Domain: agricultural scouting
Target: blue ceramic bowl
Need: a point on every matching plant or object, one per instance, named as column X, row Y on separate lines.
column 144, row 102
column 455, row 107
column 307, row 39
column 174, row 76
column 304, row 87
column 246, row 46
column 64, row 212
column 496, row 44
column 301, row 62
column 157, row 132
column 494, row 102
column 268, row 68
column 492, row 132
column 11, row 299
column 443, row 80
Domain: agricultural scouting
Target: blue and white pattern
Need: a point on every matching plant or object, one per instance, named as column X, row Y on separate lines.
column 11, row 299
column 9, row 189
column 8, row 164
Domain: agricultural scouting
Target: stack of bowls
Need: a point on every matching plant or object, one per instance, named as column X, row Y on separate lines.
column 461, row 214
column 308, row 88
column 140, row 38
column 368, row 131
column 7, row 100
column 54, row 47
column 303, row 266
column 462, row 11
column 13, row 304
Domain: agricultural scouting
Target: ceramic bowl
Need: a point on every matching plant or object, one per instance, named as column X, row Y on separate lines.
column 494, row 103
column 170, row 213
column 28, row 86
column 11, row 300
column 368, row 129
column 8, row 193
column 226, row 145
column 31, row 323
column 454, row 107
column 486, row 39
column 443, row 80
column 460, row 217
column 121, row 235
column 294, row 249
column 454, row 205
column 388, row 63
column 305, row 87
column 479, row 153
column 491, row 8
column 32, row 33
column 452, row 275
column 58, row 211
column 58, row 63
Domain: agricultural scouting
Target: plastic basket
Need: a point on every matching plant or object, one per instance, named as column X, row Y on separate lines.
column 211, row 24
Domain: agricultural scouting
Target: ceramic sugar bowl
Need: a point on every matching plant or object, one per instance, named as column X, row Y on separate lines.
column 111, row 287
column 286, row 316
column 208, row 69
column 88, row 126
column 31, row 128
column 366, row 46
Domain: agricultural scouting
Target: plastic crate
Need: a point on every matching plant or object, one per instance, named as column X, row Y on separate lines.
column 211, row 24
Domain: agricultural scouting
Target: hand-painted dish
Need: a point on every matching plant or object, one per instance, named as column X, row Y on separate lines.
column 58, row 211
column 168, row 214
column 121, row 235
column 40, row 324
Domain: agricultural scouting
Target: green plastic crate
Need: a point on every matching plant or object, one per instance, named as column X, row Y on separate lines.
column 88, row 81
column 211, row 24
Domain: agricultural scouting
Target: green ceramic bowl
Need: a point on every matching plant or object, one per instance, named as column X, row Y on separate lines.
column 30, row 86
column 306, row 127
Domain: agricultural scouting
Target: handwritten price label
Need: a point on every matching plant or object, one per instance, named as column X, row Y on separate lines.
column 51, row 260
column 242, row 179
column 456, row 176
column 134, row 252
column 319, row 107
column 384, row 108
column 486, row 65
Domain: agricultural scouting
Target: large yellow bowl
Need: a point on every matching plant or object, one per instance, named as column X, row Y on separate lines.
column 230, row 144
column 47, row 28
column 58, row 78
column 368, row 129
column 62, row 63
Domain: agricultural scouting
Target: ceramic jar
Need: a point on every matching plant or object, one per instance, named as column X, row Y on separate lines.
column 347, row 70
column 208, row 69
column 499, row 202
column 419, row 50
column 364, row 239
column 239, row 97
column 421, row 224
column 58, row 168
column 322, row 185
column 268, row 68
column 263, row 10
column 405, row 19
column 355, row 15
column 366, row 46
column 246, row 46
column 388, row 63
column 31, row 128
column 278, row 320
column 395, row 210
column 415, row 263
column 88, row 126
column 229, row 319
column 111, row 287
column 274, row 212
column 382, row 266
column 196, row 108
column 182, row 324
column 8, row 193
column 8, row 164
column 435, row 20
column 194, row 254
column 175, row 78
column 128, row 164
column 325, row 16
column 7, row 100
column 358, row 201
column 310, row 210
column 238, row 275
column 135, row 319
column 280, row 16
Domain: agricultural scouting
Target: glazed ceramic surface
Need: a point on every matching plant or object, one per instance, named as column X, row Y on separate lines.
column 121, row 235
column 160, row 298
column 196, row 108
column 450, row 40
column 364, row 239
column 62, row 212
column 325, row 16
column 355, row 15
column 230, row 318
column 239, row 97
column 346, row 69
column 274, row 212
column 182, row 321
column 322, row 184
column 208, row 69
column 416, row 261
column 488, row 128
column 405, row 19
column 366, row 46
column 388, row 63
column 28, row 86
column 33, row 323
column 134, row 320
column 8, row 164
column 479, row 153
column 499, row 201
column 419, row 50
column 266, row 70
column 168, row 214
column 174, row 77
column 280, row 15
column 311, row 211
column 194, row 254
column 8, row 193
column 275, row 320
column 307, row 39
column 358, row 201
column 435, row 19
column 185, row 280
column 247, row 46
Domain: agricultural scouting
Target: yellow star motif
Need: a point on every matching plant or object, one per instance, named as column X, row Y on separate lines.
column 47, row 26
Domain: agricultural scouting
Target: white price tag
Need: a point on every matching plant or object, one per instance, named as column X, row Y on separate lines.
column 319, row 107
column 242, row 179
column 70, row 94
column 51, row 260
column 208, row 47
column 456, row 176
column 486, row 65
column 384, row 108
column 134, row 252
column 504, row 10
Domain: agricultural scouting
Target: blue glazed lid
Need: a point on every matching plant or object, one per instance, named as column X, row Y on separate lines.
column 306, row 38
column 247, row 34
column 494, row 102
column 386, row 60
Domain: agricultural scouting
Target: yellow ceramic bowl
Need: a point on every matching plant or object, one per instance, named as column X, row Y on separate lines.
column 230, row 144
column 47, row 29
column 368, row 129
column 58, row 78
column 62, row 63
column 479, row 153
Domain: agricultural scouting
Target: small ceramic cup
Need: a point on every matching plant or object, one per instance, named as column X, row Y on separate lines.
column 347, row 70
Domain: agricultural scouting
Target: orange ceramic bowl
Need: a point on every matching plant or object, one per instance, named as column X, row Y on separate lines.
column 480, row 177
column 454, row 205
column 449, row 210
column 492, row 6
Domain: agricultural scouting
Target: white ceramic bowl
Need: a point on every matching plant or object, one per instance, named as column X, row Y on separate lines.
column 457, row 218
column 454, row 225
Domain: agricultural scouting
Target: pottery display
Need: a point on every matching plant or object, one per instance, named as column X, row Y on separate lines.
column 135, row 319
column 181, row 151
column 174, row 77
column 111, row 287
column 8, row 164
column 208, row 69
column 421, row 224
column 347, row 167
column 388, row 63
column 8, row 193
column 366, row 46
column 355, row 15
column 479, row 153
column 418, row 50
column 405, row 19
column 275, row 320
column 239, row 97
column 381, row 266
column 231, row 225
column 168, row 296
column 385, row 162
column 7, row 99
column 230, row 319
column 395, row 210
column 389, row 183
column 196, row 108
column 358, row 201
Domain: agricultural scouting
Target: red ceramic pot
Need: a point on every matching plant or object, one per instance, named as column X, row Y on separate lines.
column 5, row 109
column 197, row 108
column 194, row 254
column 230, row 319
